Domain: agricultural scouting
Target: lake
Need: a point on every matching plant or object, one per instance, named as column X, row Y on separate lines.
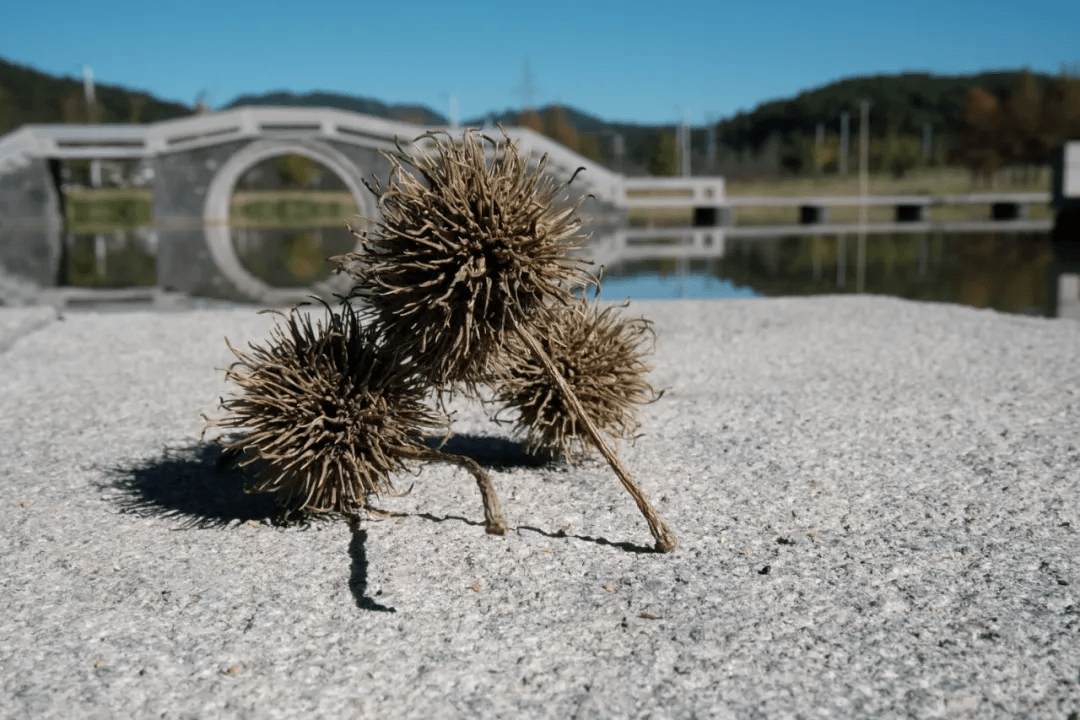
column 1007, row 271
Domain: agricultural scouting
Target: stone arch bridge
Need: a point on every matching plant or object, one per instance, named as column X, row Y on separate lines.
column 196, row 163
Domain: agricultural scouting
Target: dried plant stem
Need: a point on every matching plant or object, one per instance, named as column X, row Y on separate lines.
column 494, row 520
column 665, row 539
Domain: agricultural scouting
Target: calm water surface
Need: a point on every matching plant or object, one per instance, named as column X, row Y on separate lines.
column 1004, row 271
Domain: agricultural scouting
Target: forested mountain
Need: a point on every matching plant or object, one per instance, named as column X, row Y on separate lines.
column 904, row 107
column 582, row 121
column 984, row 121
column 417, row 114
column 901, row 103
column 30, row 96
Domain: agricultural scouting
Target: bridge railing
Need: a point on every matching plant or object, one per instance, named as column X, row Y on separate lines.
column 79, row 141
column 213, row 128
column 656, row 192
column 878, row 200
column 618, row 189
column 596, row 178
column 16, row 149
column 114, row 141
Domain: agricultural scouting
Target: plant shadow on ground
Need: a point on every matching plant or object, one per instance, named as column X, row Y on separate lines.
column 495, row 452
column 627, row 546
column 358, row 573
column 191, row 485
column 199, row 487
column 489, row 451
column 195, row 486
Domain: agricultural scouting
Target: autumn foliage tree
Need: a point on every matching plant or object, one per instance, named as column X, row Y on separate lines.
column 982, row 133
column 558, row 127
column 1061, row 108
column 1023, row 123
column 531, row 119
column 1023, row 129
column 555, row 123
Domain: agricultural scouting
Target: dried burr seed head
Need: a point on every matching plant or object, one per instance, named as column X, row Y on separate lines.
column 467, row 249
column 599, row 355
column 327, row 416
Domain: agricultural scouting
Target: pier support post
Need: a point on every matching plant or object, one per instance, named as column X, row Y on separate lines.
column 1007, row 211
column 813, row 214
column 911, row 213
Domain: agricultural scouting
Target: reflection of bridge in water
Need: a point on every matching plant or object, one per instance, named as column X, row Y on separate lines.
column 196, row 163
column 628, row 244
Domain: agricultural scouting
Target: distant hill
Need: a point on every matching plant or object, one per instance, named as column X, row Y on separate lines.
column 902, row 103
column 901, row 107
column 778, row 136
column 583, row 121
column 775, row 137
column 31, row 96
column 417, row 114
column 596, row 137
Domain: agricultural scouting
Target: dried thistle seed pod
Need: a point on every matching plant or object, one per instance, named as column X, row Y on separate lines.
column 328, row 416
column 599, row 355
column 468, row 253
column 466, row 250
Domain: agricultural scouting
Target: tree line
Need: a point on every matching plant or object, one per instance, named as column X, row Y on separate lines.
column 907, row 109
column 1023, row 127
column 984, row 121
column 31, row 96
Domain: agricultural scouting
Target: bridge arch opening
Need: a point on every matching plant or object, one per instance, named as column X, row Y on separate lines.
column 301, row 250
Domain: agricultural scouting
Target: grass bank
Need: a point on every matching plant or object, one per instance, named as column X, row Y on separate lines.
column 100, row 210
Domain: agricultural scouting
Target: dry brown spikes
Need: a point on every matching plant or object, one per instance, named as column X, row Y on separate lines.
column 665, row 539
column 599, row 355
column 327, row 417
column 468, row 254
column 465, row 250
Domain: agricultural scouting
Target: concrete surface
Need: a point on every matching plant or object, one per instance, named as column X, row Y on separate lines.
column 877, row 503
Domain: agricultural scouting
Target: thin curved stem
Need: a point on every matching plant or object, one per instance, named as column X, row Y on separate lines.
column 665, row 539
column 494, row 520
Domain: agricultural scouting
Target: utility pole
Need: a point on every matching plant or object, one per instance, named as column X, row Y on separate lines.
column 864, row 190
column 684, row 146
column 927, row 141
column 618, row 150
column 819, row 147
column 710, row 146
column 91, row 107
column 844, row 142
column 88, row 92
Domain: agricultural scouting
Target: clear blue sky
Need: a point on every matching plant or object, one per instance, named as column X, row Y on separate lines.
column 646, row 62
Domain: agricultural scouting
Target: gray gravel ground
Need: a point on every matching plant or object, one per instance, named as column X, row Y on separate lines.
column 877, row 503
